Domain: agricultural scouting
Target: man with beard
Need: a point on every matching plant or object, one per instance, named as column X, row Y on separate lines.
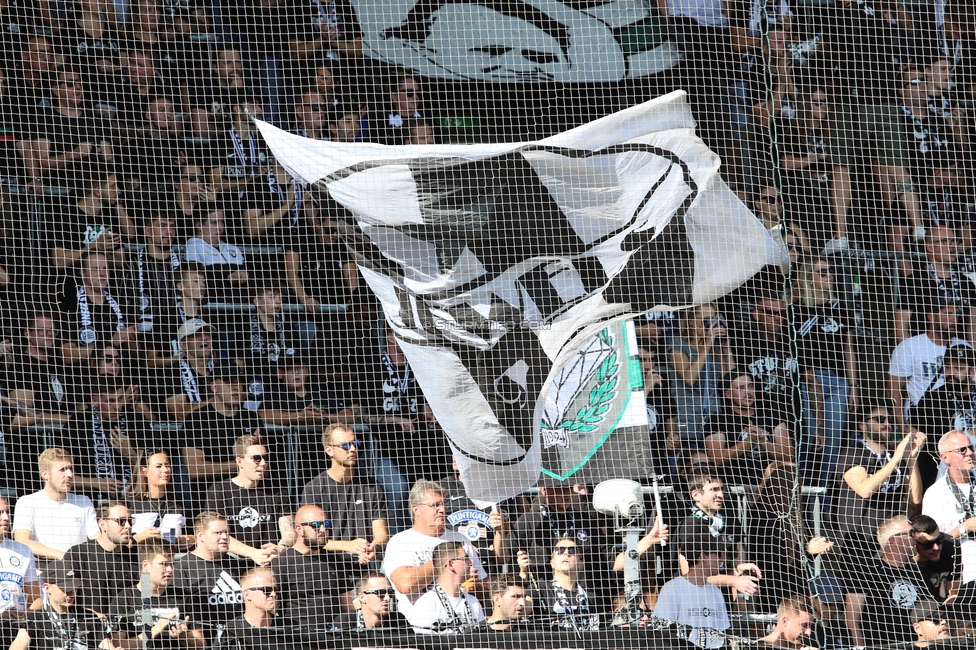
column 310, row 579
column 374, row 597
column 936, row 555
column 107, row 564
column 508, row 602
column 871, row 482
column 950, row 407
column 951, row 501
column 445, row 608
column 262, row 627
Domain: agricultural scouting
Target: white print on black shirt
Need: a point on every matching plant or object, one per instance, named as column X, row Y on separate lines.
column 248, row 517
column 227, row 591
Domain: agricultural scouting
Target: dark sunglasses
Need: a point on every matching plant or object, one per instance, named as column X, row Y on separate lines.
column 112, row 357
column 121, row 521
column 409, row 93
column 192, row 177
column 938, row 541
column 348, row 446
column 772, row 200
column 823, row 271
column 257, row 458
column 880, row 419
column 380, row 593
column 70, row 83
column 264, row 589
column 565, row 550
column 315, row 525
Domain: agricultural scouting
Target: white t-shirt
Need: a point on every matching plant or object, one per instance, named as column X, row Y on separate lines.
column 17, row 569
column 941, row 504
column 701, row 608
column 412, row 548
column 57, row 524
column 919, row 360
column 429, row 611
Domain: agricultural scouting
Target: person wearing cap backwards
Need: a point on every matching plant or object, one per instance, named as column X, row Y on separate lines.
column 950, row 407
column 59, row 624
column 184, row 387
column 930, row 624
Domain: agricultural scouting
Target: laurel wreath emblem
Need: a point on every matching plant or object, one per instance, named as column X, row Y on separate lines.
column 601, row 395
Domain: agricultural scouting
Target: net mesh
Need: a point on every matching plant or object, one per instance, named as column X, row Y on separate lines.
column 352, row 323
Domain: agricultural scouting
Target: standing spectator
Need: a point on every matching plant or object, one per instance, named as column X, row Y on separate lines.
column 951, row 501
column 60, row 624
column 570, row 597
column 264, row 337
column 295, row 400
column 357, row 503
column 699, row 357
column 405, row 101
column 445, row 609
column 153, row 157
column 256, row 516
column 107, row 564
column 212, row 97
column 508, row 602
column 409, row 555
column 312, row 114
column 347, row 124
column 873, row 484
column 262, row 627
column 185, row 387
column 53, row 520
column 20, row 578
column 190, row 191
column 916, row 363
column 830, row 371
column 374, row 597
column 318, row 268
column 794, row 623
column 89, row 223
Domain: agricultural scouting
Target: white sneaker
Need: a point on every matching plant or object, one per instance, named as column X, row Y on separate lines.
column 918, row 234
column 836, row 245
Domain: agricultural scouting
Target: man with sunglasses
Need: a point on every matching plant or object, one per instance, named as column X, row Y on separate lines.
column 62, row 623
column 445, row 608
column 950, row 407
column 357, row 503
column 108, row 563
column 372, row 606
column 569, row 597
column 936, row 555
column 951, row 501
column 262, row 627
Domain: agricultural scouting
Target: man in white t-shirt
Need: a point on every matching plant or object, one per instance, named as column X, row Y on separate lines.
column 916, row 363
column 690, row 600
column 951, row 500
column 53, row 520
column 445, row 609
column 18, row 574
column 409, row 556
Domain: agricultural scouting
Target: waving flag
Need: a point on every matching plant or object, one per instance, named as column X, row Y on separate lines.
column 507, row 270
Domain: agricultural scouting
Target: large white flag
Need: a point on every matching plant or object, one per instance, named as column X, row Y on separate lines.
column 503, row 268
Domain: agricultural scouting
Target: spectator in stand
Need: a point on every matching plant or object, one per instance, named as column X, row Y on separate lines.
column 509, row 602
column 347, row 125
column 238, row 154
column 356, row 502
column 830, row 368
column 36, row 379
column 873, row 484
column 212, row 97
column 191, row 190
column 572, row 596
column 61, row 623
column 445, row 608
column 109, row 563
column 185, row 387
column 949, row 407
column 405, row 100
column 420, row 132
column 930, row 625
column 54, row 519
column 262, row 627
column 93, row 309
column 30, row 88
column 885, row 590
column 257, row 517
column 207, row 576
column 693, row 600
column 272, row 206
column 310, row 579
column 950, row 500
column 409, row 556
column 699, row 357
column 767, row 204
column 937, row 280
column 91, row 222
column 312, row 115
column 152, row 502
column 20, row 572
column 317, row 268
column 171, row 628
column 491, row 544
column 794, row 624
column 944, row 108
column 263, row 337
column 741, row 440
column 937, row 557
column 295, row 400
column 916, row 363
column 373, row 597
column 227, row 274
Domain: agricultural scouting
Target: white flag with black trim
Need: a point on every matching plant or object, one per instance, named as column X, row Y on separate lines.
column 504, row 270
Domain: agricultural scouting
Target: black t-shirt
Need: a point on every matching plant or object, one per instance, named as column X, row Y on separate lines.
column 46, row 378
column 748, row 468
column 352, row 506
column 66, row 134
column 214, row 433
column 107, row 318
column 153, row 160
column 892, row 595
column 941, row 410
column 126, row 609
column 938, row 576
column 71, row 228
column 321, row 265
column 858, row 517
column 88, row 437
column 925, row 288
column 213, row 589
column 104, row 574
column 178, row 379
column 774, row 372
column 310, row 585
column 252, row 514
column 244, row 636
column 823, row 331
column 159, row 308
column 261, row 349
column 48, row 631
column 538, row 530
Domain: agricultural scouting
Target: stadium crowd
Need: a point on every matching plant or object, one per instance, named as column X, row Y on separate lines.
column 202, row 414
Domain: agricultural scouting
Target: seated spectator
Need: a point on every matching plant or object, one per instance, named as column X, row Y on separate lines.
column 262, row 627
column 20, row 577
column 356, row 502
column 404, row 105
column 884, row 590
column 794, row 624
column 94, row 310
column 171, row 628
column 264, row 337
column 409, row 556
column 54, row 519
column 699, row 357
column 347, row 124
column 295, row 400
column 949, row 407
column 693, row 600
column 419, row 132
column 191, row 191
column 873, row 484
column 916, row 363
column 312, row 110
column 570, row 598
column 107, row 564
column 153, row 504
column 226, row 270
column 61, row 621
column 108, row 363
column 937, row 557
column 37, row 379
column 827, row 598
column 508, row 602
column 185, row 388
column 257, row 516
column 238, row 155
column 90, row 222
column 317, row 268
column 221, row 87
column 930, row 625
column 950, row 501
column 946, row 200
column 154, row 155
column 372, row 606
column 741, row 440
column 207, row 576
column 445, row 609
column 309, row 579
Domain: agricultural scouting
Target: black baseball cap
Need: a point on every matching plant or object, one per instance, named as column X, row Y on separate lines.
column 961, row 354
column 60, row 574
